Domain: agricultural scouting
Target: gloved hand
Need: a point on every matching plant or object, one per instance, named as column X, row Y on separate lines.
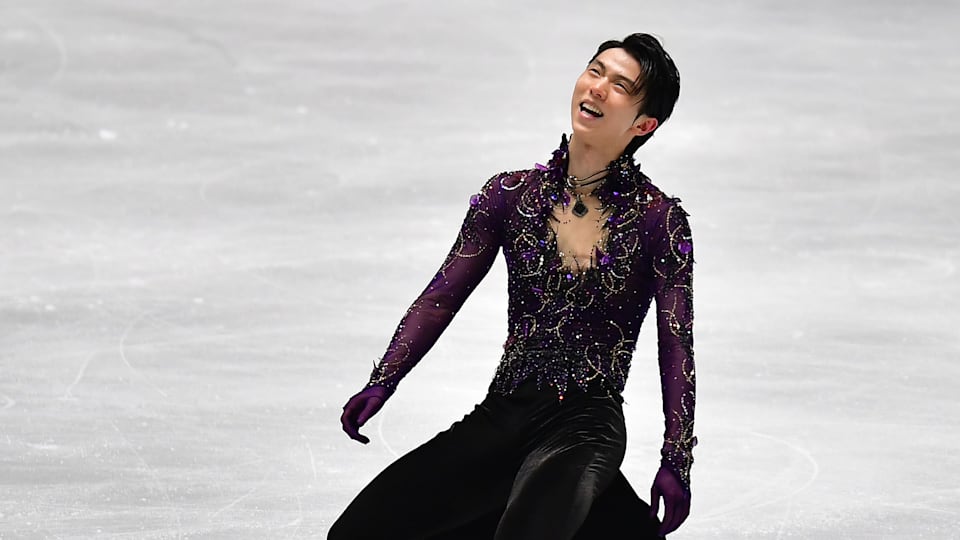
column 676, row 500
column 359, row 408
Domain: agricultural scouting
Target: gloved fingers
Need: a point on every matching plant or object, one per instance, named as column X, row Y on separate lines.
column 370, row 408
column 676, row 510
column 666, row 526
column 682, row 512
column 349, row 422
column 654, row 500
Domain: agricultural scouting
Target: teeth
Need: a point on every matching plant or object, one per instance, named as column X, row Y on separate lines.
column 590, row 109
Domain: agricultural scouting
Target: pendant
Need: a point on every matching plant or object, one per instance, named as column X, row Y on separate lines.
column 579, row 209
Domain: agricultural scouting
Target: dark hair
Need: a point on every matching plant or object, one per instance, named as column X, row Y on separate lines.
column 658, row 84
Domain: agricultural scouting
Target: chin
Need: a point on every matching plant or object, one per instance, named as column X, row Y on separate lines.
column 585, row 134
column 577, row 127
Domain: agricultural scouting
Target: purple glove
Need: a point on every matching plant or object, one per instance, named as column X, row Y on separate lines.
column 676, row 500
column 360, row 408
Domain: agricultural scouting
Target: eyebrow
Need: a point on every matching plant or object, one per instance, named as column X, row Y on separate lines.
column 630, row 84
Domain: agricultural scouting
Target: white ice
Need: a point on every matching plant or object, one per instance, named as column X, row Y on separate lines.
column 214, row 213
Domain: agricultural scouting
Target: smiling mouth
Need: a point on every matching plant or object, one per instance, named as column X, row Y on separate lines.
column 594, row 112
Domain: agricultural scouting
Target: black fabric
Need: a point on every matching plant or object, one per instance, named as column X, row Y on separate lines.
column 523, row 466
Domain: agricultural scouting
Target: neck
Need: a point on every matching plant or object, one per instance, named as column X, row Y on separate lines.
column 586, row 159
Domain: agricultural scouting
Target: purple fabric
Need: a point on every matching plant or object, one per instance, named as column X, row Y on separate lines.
column 566, row 328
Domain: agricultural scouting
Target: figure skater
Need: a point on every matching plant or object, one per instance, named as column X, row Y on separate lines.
column 589, row 242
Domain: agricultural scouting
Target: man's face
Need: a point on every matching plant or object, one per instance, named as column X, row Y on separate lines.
column 604, row 105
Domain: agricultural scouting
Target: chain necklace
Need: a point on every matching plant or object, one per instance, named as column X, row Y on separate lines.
column 574, row 183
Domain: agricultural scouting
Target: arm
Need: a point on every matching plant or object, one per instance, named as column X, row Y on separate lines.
column 466, row 264
column 673, row 267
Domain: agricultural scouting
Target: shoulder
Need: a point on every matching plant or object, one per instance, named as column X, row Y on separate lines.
column 668, row 227
column 654, row 197
column 659, row 205
column 508, row 181
column 500, row 189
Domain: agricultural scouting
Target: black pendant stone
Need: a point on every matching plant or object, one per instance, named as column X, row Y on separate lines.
column 579, row 209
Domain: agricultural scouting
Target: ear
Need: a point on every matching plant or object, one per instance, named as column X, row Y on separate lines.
column 643, row 125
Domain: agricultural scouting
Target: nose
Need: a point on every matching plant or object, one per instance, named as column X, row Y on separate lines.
column 598, row 89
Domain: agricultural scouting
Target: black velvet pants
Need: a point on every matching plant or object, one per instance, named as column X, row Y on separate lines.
column 524, row 466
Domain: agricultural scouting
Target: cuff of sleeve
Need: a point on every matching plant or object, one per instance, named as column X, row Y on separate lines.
column 679, row 459
column 384, row 377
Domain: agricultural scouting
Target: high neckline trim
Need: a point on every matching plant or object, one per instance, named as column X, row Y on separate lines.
column 622, row 184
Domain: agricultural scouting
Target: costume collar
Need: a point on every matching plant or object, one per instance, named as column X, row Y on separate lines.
column 622, row 183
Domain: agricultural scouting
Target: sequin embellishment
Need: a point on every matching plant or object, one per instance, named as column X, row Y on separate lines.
column 571, row 329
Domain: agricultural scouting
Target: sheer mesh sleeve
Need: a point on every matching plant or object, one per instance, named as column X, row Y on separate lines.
column 673, row 267
column 468, row 262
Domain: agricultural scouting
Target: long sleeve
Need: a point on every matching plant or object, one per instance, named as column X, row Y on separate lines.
column 673, row 268
column 467, row 263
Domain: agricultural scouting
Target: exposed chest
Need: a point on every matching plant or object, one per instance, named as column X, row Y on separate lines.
column 551, row 249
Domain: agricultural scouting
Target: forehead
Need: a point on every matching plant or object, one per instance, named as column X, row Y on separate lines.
column 619, row 61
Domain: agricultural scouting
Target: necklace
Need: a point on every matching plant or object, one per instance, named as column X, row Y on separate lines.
column 574, row 183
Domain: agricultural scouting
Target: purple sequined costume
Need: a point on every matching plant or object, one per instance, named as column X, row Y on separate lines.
column 571, row 329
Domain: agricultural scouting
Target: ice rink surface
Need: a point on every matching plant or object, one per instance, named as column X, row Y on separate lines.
column 214, row 213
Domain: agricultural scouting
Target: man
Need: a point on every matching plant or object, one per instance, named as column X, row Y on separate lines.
column 589, row 243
